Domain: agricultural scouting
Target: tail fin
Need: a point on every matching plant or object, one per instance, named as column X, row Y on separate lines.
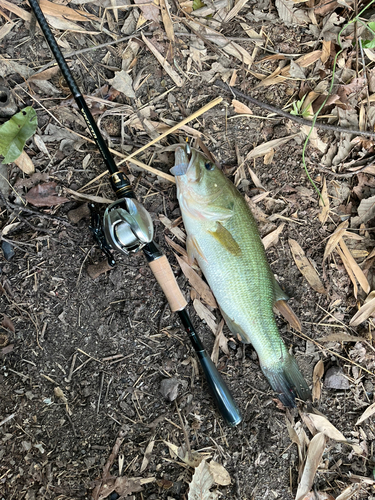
column 286, row 379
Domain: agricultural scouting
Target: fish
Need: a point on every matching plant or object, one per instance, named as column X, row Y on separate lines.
column 223, row 238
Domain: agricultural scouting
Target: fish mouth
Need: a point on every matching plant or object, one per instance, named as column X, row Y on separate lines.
column 184, row 158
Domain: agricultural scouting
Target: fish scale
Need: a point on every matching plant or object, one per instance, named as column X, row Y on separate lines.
column 223, row 238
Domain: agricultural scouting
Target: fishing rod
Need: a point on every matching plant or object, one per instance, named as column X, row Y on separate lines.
column 128, row 228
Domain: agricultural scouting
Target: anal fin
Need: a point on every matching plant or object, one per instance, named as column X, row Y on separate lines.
column 235, row 328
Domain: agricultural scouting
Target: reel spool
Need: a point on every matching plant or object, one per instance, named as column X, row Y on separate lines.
column 127, row 226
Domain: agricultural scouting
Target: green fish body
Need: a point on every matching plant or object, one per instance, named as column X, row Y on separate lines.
column 222, row 236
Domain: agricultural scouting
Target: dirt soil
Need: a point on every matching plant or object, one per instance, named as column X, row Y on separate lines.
column 83, row 360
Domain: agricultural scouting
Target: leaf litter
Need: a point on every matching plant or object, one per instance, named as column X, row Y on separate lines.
column 338, row 248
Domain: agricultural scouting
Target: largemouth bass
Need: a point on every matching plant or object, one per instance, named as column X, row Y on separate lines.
column 222, row 236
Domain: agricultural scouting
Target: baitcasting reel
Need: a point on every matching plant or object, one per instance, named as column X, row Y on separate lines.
column 127, row 226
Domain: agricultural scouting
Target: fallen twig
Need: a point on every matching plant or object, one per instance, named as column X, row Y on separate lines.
column 285, row 114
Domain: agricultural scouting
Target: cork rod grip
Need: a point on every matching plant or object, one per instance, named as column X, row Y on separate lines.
column 165, row 277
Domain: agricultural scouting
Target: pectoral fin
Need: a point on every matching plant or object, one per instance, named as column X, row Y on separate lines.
column 225, row 239
column 235, row 328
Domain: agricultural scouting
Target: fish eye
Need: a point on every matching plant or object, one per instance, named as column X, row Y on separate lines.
column 209, row 166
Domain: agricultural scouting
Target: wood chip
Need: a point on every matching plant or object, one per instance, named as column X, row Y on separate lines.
column 306, row 267
column 317, row 380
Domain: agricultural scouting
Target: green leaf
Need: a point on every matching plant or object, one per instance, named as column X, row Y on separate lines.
column 368, row 44
column 15, row 132
column 198, row 4
column 371, row 26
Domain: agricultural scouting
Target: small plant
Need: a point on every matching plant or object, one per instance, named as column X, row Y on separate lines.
column 15, row 132
column 298, row 109
column 369, row 44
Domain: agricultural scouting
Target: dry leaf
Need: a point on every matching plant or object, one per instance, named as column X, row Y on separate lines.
column 290, row 14
column 364, row 313
column 201, row 483
column 366, row 212
column 180, row 235
column 305, row 267
column 205, row 314
column 340, row 337
column 123, row 82
column 268, row 157
column 317, row 380
column 59, row 393
column 45, row 75
column 87, row 197
column 273, row 237
column 231, row 48
column 241, row 108
column 220, row 342
column 164, row 63
column 318, row 495
column 348, row 270
column 44, row 195
column 25, row 164
column 167, row 21
column 178, row 248
column 6, row 29
column 197, row 282
column 26, row 16
column 349, row 492
column 149, row 11
column 219, row 473
column 335, row 238
column 64, row 12
column 366, row 414
column 147, row 455
column 324, row 203
column 323, row 425
column 7, row 323
column 288, row 314
column 195, row 458
column 314, row 456
column 266, row 147
column 357, row 271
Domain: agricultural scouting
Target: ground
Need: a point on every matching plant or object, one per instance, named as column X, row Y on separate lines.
column 83, row 359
